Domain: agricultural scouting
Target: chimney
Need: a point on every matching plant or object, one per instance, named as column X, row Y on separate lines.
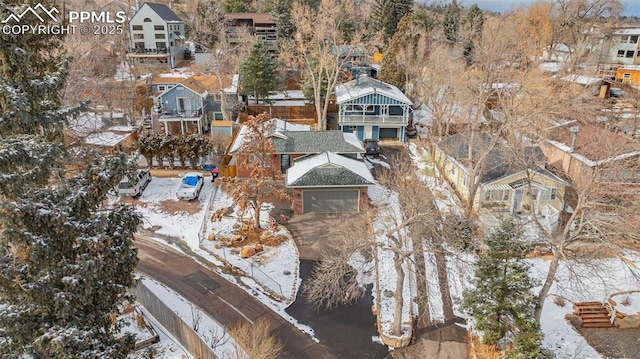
column 574, row 130
column 137, row 6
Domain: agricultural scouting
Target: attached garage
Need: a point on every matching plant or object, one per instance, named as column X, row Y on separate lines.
column 389, row 132
column 330, row 200
column 328, row 183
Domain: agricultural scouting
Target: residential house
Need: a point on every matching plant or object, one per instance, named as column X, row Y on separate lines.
column 506, row 185
column 107, row 132
column 260, row 25
column 291, row 141
column 373, row 109
column 356, row 60
column 558, row 53
column 588, row 152
column 189, row 102
column 157, row 35
column 328, row 183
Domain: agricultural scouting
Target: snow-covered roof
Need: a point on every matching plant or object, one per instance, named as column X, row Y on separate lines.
column 233, row 89
column 328, row 169
column 279, row 125
column 106, row 139
column 632, row 31
column 86, row 123
column 582, row 80
column 563, row 48
column 352, row 139
column 365, row 85
column 551, row 66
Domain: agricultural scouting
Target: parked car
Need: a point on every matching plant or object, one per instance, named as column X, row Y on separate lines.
column 411, row 132
column 190, row 186
column 134, row 187
column 371, row 147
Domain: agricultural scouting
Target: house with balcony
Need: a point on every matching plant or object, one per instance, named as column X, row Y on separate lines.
column 506, row 185
column 260, row 25
column 373, row 109
column 156, row 36
column 183, row 106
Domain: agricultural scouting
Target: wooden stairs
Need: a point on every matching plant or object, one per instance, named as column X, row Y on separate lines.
column 594, row 315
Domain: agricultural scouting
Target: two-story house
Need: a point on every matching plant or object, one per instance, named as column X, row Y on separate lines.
column 260, row 25
column 373, row 109
column 157, row 35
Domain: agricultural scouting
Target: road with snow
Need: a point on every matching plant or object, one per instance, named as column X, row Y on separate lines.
column 220, row 299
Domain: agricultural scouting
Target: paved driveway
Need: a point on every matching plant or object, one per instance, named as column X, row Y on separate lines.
column 309, row 230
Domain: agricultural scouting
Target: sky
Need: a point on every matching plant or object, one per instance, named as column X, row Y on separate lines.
column 632, row 7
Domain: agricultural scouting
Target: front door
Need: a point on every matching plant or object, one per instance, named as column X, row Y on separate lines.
column 517, row 200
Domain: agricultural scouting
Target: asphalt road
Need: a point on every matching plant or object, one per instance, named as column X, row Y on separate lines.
column 220, row 299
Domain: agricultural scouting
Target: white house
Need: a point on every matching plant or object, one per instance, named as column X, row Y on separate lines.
column 157, row 35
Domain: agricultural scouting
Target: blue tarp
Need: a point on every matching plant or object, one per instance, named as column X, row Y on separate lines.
column 191, row 180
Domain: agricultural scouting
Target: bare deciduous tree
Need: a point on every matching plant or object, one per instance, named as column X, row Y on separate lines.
column 254, row 341
column 257, row 153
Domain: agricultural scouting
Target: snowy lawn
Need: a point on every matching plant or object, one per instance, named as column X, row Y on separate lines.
column 428, row 173
column 390, row 215
column 275, row 268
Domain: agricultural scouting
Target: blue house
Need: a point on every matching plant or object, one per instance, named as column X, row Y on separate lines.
column 373, row 109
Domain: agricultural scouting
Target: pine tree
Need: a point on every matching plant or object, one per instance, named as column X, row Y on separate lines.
column 451, row 22
column 386, row 15
column 66, row 258
column 502, row 302
column 257, row 72
column 391, row 71
column 284, row 26
column 232, row 6
column 473, row 22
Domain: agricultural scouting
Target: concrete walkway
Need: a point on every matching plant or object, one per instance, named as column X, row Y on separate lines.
column 220, row 299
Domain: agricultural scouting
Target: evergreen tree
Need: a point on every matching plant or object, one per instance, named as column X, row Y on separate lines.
column 284, row 26
column 473, row 22
column 66, row 258
column 451, row 22
column 257, row 72
column 386, row 15
column 233, row 6
column 502, row 302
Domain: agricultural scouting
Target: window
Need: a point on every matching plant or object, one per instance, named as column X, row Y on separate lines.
column 626, row 75
column 159, row 36
column 158, row 27
column 633, row 39
column 138, row 36
column 453, row 170
column 136, row 27
column 465, row 181
column 534, row 193
column 620, row 53
column 139, row 45
column 161, row 46
column 553, row 193
column 146, row 19
column 161, row 87
column 629, row 53
column 497, row 195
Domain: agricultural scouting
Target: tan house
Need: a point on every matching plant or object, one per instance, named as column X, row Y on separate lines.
column 587, row 152
column 505, row 187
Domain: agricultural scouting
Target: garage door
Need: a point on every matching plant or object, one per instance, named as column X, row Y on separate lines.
column 330, row 200
column 388, row 133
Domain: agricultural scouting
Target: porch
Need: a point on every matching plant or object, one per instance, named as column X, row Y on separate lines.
column 188, row 122
column 346, row 120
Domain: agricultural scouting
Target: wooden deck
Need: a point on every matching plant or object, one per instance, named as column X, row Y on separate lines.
column 594, row 315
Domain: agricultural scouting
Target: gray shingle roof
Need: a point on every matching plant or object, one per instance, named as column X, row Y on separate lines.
column 328, row 176
column 164, row 12
column 498, row 163
column 313, row 142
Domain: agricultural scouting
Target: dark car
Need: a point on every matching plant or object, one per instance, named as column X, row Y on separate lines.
column 411, row 132
column 371, row 147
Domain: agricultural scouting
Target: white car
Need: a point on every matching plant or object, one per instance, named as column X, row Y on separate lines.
column 134, row 187
column 190, row 186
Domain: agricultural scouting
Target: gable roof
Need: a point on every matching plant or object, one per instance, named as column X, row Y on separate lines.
column 365, row 85
column 498, row 164
column 594, row 144
column 316, row 141
column 164, row 12
column 328, row 169
column 276, row 126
